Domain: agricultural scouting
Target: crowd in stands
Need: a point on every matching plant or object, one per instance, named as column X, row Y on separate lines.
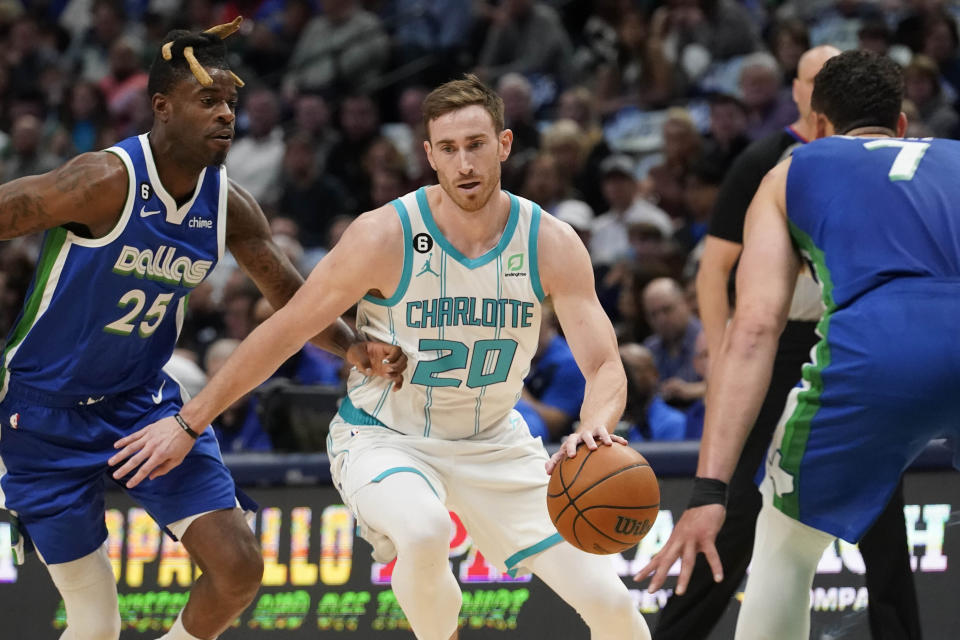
column 626, row 115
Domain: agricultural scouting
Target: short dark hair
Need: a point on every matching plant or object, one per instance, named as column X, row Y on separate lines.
column 858, row 89
column 208, row 48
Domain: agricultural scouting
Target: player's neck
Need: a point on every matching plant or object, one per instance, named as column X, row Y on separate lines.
column 473, row 233
column 805, row 129
column 178, row 174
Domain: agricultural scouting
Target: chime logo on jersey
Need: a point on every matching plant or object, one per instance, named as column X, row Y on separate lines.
column 163, row 265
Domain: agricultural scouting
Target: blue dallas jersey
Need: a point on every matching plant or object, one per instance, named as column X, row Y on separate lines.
column 866, row 211
column 103, row 315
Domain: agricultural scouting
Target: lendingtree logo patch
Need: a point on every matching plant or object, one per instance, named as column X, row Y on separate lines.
column 515, row 262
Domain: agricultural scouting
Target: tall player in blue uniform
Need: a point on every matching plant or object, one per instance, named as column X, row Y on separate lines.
column 129, row 233
column 450, row 438
column 876, row 217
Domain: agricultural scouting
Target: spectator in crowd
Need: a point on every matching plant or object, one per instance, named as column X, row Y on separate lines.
column 270, row 44
column 649, row 417
column 518, row 116
column 875, row 36
column 640, row 75
column 26, row 155
column 610, row 242
column 408, row 133
column 922, row 87
column 256, row 159
column 567, row 144
column 697, row 411
column 682, row 146
column 311, row 197
column 91, row 50
column 768, row 107
column 344, row 48
column 84, row 119
column 727, row 136
column 238, row 428
column 553, row 390
column 542, row 182
column 311, row 116
column 124, row 85
column 788, row 40
column 940, row 42
column 578, row 215
column 439, row 29
column 526, row 37
column 580, row 105
column 697, row 33
column 700, row 195
column 359, row 120
column 26, row 53
column 675, row 331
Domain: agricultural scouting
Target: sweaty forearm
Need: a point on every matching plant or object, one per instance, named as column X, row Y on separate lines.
column 605, row 397
column 714, row 304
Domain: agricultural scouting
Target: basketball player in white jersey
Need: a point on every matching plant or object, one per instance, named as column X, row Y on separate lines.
column 454, row 274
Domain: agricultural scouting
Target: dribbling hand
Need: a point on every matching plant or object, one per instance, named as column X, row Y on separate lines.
column 378, row 359
column 156, row 449
column 695, row 532
column 589, row 437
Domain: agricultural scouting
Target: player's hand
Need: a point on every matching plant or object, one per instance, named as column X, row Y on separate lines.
column 588, row 436
column 379, row 359
column 695, row 532
column 156, row 449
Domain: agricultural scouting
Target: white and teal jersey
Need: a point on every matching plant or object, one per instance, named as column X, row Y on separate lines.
column 103, row 315
column 468, row 326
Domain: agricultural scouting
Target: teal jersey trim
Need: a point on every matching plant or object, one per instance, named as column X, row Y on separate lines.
column 523, row 554
column 470, row 263
column 353, row 415
column 407, row 259
column 534, row 259
column 392, row 470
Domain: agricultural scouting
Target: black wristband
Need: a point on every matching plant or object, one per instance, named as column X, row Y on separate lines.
column 708, row 491
column 183, row 425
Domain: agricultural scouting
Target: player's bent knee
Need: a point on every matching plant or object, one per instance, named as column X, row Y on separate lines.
column 95, row 627
column 243, row 576
column 428, row 535
column 603, row 606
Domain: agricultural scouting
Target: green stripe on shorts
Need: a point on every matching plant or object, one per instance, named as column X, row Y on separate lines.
column 797, row 428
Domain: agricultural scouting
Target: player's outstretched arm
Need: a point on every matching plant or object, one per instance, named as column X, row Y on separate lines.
column 567, row 277
column 739, row 378
column 90, row 189
column 251, row 243
column 338, row 281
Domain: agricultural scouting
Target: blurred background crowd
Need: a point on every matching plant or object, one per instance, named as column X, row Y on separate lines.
column 626, row 115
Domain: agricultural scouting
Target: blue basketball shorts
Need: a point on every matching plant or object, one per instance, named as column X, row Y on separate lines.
column 882, row 384
column 53, row 461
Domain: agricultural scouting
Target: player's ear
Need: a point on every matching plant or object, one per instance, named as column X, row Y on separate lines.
column 824, row 127
column 427, row 147
column 506, row 143
column 161, row 107
column 902, row 123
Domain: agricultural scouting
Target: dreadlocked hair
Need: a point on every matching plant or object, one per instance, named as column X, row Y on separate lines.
column 188, row 53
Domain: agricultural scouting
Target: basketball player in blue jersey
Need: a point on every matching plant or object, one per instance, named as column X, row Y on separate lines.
column 129, row 233
column 875, row 216
column 469, row 325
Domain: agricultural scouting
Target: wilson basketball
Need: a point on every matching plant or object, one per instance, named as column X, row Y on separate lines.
column 605, row 500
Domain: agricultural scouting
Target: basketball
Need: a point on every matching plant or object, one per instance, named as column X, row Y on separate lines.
column 603, row 501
